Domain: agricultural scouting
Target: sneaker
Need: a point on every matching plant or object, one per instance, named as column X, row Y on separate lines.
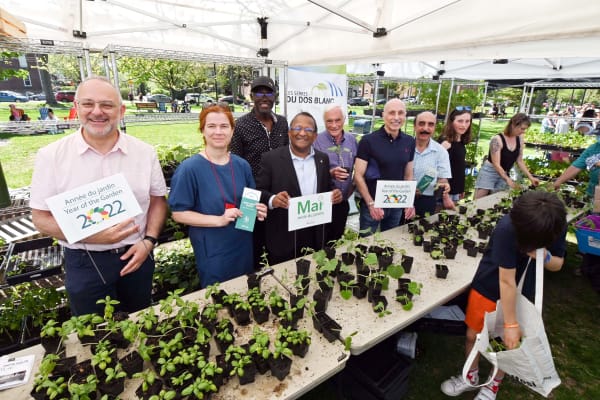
column 456, row 386
column 486, row 393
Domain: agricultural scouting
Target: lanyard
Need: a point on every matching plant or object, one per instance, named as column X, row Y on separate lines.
column 214, row 171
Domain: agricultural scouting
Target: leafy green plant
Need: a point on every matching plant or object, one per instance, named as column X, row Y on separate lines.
column 83, row 391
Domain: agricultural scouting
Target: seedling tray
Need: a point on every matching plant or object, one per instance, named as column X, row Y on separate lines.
column 31, row 260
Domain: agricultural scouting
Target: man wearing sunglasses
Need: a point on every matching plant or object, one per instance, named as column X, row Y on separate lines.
column 255, row 133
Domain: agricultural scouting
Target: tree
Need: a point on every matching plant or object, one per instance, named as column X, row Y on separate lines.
column 8, row 71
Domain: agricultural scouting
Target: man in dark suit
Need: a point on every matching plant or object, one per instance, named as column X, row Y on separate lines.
column 293, row 171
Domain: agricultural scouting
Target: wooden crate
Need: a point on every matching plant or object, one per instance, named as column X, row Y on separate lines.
column 11, row 26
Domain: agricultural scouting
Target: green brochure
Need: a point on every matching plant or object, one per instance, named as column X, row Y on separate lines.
column 250, row 197
column 424, row 183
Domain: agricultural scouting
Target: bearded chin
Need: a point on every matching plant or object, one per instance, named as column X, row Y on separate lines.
column 98, row 132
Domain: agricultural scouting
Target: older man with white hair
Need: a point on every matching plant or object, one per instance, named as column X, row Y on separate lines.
column 341, row 149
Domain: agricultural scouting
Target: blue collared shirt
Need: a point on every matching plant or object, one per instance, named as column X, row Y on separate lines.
column 433, row 161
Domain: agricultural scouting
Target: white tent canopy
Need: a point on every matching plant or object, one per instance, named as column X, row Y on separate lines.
column 540, row 38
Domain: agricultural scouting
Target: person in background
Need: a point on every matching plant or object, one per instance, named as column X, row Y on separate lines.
column 456, row 134
column 536, row 220
column 17, row 114
column 341, row 148
column 586, row 126
column 117, row 261
column 430, row 159
column 562, row 124
column 206, row 191
column 548, row 123
column 255, row 133
column 53, row 129
column 388, row 154
column 288, row 172
column 506, row 149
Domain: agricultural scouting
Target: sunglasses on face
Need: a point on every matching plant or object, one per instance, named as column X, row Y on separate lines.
column 463, row 108
column 267, row 95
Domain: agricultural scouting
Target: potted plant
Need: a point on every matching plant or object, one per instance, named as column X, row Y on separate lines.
column 85, row 390
column 259, row 306
column 379, row 304
column 200, row 388
column 150, row 385
column 281, row 360
column 241, row 364
column 441, row 271
column 298, row 340
column 259, row 349
column 114, row 381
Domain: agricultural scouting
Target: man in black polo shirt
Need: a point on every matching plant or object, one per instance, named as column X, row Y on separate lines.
column 256, row 133
column 385, row 154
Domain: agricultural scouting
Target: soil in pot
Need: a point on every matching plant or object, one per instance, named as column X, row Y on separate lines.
column 63, row 367
column 407, row 263
column 132, row 363
column 260, row 316
column 462, row 209
column 112, row 388
column 348, row 258
column 152, row 390
column 329, row 252
column 242, row 317
column 441, row 271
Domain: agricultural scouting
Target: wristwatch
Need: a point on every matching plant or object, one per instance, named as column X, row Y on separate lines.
column 151, row 239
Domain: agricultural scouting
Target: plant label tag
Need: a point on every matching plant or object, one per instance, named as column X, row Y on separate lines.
column 395, row 194
column 93, row 207
column 250, row 198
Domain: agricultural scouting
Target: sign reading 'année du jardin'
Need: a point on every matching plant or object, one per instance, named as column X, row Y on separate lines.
column 395, row 194
column 310, row 210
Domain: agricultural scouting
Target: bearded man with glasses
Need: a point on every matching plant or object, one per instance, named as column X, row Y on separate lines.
column 116, row 261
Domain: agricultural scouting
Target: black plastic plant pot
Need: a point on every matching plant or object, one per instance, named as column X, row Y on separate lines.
column 379, row 300
column 411, row 227
column 360, row 290
column 152, row 390
column 417, row 240
column 321, row 301
column 481, row 247
column 302, row 267
column 112, row 388
column 407, row 263
column 482, row 234
column 304, row 283
column 462, row 209
column 472, row 251
column 348, row 258
column 51, row 344
column 403, row 282
column 329, row 252
column 403, row 291
column 280, row 367
column 253, row 281
column 217, row 297
column 441, row 271
column 450, row 253
column 468, row 244
column 132, row 363
column 374, row 291
column 249, row 374
column 242, row 317
column 299, row 349
column 324, row 324
column 427, row 246
column 480, row 212
column 384, row 260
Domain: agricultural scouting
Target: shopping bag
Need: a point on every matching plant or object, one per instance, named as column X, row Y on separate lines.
column 531, row 363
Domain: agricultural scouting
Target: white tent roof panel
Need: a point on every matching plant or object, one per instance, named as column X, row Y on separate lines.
column 315, row 32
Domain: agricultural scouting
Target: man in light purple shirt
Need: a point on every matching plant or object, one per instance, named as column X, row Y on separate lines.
column 340, row 147
column 117, row 261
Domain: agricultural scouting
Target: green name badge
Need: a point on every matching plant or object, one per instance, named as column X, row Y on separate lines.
column 250, row 198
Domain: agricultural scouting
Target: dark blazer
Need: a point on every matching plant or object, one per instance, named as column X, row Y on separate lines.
column 277, row 174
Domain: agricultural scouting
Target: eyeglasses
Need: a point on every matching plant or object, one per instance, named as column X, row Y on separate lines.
column 260, row 94
column 463, row 108
column 89, row 105
column 299, row 129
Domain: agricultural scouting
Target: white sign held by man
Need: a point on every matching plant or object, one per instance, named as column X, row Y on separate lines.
column 93, row 207
column 395, row 194
column 309, row 210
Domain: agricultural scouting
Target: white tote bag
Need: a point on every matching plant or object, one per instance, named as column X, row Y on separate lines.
column 531, row 363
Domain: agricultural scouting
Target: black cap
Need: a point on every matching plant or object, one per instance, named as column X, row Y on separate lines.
column 264, row 81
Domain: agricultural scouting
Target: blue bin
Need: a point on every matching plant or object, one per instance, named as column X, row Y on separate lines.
column 588, row 234
column 361, row 126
